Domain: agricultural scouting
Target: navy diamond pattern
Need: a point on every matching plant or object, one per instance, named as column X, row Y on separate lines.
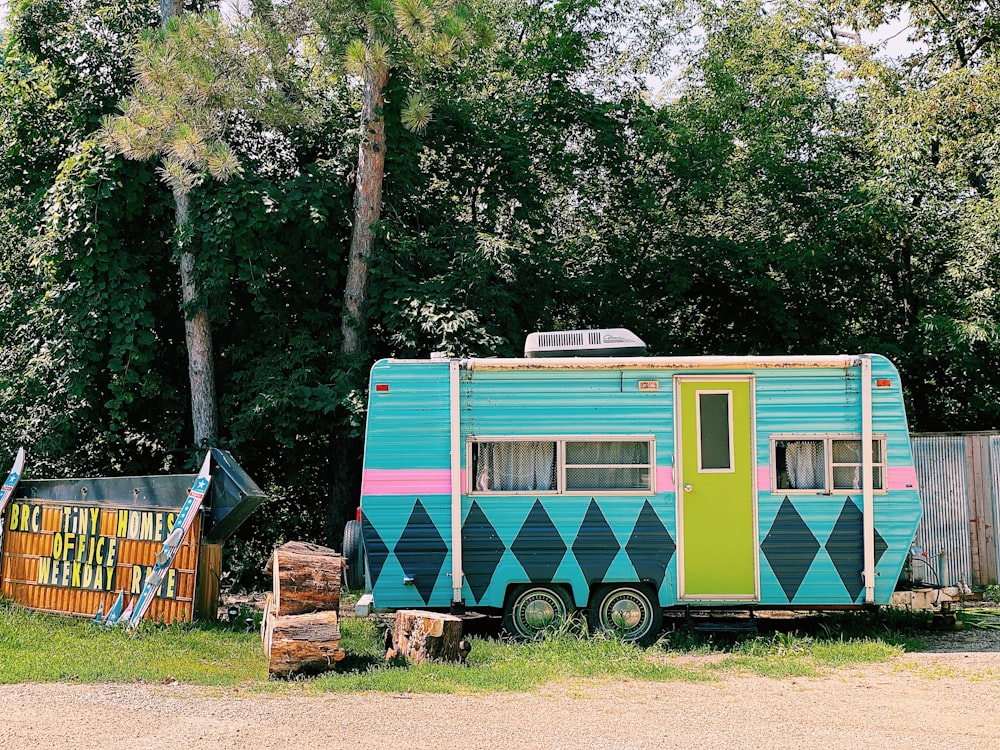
column 421, row 551
column 790, row 548
column 482, row 549
column 846, row 547
column 375, row 550
column 596, row 545
column 650, row 548
column 538, row 546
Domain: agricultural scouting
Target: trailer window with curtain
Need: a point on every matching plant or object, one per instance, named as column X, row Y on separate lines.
column 823, row 464
column 598, row 465
column 517, row 466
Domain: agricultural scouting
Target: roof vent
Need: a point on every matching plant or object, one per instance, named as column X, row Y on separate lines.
column 602, row 342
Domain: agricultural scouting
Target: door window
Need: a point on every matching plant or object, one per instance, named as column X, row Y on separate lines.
column 715, row 431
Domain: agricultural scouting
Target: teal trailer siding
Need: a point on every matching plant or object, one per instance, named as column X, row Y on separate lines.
column 815, row 538
column 406, row 501
column 586, row 535
column 809, row 545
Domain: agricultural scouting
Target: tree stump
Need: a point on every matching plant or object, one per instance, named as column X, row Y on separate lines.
column 296, row 644
column 306, row 578
column 419, row 635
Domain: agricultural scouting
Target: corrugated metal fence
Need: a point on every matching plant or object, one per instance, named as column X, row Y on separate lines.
column 959, row 478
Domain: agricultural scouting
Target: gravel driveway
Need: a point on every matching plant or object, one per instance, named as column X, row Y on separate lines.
column 925, row 700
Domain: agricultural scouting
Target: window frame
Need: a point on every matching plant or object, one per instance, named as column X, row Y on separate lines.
column 828, row 438
column 561, row 465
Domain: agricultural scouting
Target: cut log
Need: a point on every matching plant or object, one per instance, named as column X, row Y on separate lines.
column 419, row 635
column 306, row 578
column 302, row 644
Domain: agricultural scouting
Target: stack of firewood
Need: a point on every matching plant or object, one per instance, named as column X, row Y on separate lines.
column 300, row 630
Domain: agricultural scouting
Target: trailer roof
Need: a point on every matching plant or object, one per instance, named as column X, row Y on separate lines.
column 645, row 363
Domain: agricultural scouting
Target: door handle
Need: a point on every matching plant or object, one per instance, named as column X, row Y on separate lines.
column 688, row 488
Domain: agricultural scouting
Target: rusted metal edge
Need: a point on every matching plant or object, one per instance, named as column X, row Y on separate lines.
column 664, row 363
column 769, row 362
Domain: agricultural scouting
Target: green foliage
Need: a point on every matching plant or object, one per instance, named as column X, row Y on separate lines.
column 90, row 360
column 189, row 76
column 84, row 45
column 979, row 617
column 930, row 122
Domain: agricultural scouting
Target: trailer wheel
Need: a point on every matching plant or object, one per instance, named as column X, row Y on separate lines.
column 353, row 551
column 627, row 611
column 534, row 609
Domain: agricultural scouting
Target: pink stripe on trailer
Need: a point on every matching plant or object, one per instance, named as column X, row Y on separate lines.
column 764, row 478
column 406, row 482
column 901, row 478
column 665, row 479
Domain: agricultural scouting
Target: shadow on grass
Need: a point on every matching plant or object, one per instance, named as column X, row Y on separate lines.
column 364, row 663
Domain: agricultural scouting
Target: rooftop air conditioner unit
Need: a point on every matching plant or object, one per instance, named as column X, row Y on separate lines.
column 601, row 342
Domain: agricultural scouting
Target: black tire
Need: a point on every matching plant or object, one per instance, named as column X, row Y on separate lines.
column 353, row 551
column 533, row 609
column 628, row 611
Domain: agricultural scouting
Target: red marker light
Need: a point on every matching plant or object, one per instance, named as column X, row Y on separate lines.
column 382, row 387
column 883, row 383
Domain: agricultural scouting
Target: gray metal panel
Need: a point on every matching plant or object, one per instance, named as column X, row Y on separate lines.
column 995, row 476
column 141, row 492
column 940, row 463
column 234, row 497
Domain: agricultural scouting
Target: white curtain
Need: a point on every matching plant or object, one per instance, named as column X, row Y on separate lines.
column 805, row 465
column 518, row 466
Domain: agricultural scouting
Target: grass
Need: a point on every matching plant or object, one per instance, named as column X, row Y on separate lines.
column 498, row 665
column 36, row 647
column 786, row 655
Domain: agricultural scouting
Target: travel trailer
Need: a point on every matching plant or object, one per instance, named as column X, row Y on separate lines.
column 586, row 476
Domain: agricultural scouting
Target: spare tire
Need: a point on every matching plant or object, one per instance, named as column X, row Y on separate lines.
column 353, row 551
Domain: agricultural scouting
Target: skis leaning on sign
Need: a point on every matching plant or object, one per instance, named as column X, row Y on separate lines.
column 10, row 484
column 172, row 542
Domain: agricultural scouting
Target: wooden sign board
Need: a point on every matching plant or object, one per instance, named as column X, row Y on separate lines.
column 69, row 558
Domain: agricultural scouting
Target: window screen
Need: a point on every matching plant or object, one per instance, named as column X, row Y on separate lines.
column 715, row 439
column 846, row 455
column 607, row 465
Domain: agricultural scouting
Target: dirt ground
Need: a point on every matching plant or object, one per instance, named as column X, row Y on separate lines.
column 947, row 696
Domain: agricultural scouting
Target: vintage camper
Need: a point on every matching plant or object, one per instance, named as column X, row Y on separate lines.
column 585, row 476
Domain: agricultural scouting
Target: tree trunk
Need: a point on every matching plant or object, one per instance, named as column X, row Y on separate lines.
column 198, row 334
column 367, row 208
column 169, row 9
column 345, row 486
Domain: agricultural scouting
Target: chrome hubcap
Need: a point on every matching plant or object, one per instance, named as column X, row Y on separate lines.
column 626, row 614
column 539, row 614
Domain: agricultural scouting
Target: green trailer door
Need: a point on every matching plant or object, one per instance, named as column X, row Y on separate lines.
column 715, row 492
